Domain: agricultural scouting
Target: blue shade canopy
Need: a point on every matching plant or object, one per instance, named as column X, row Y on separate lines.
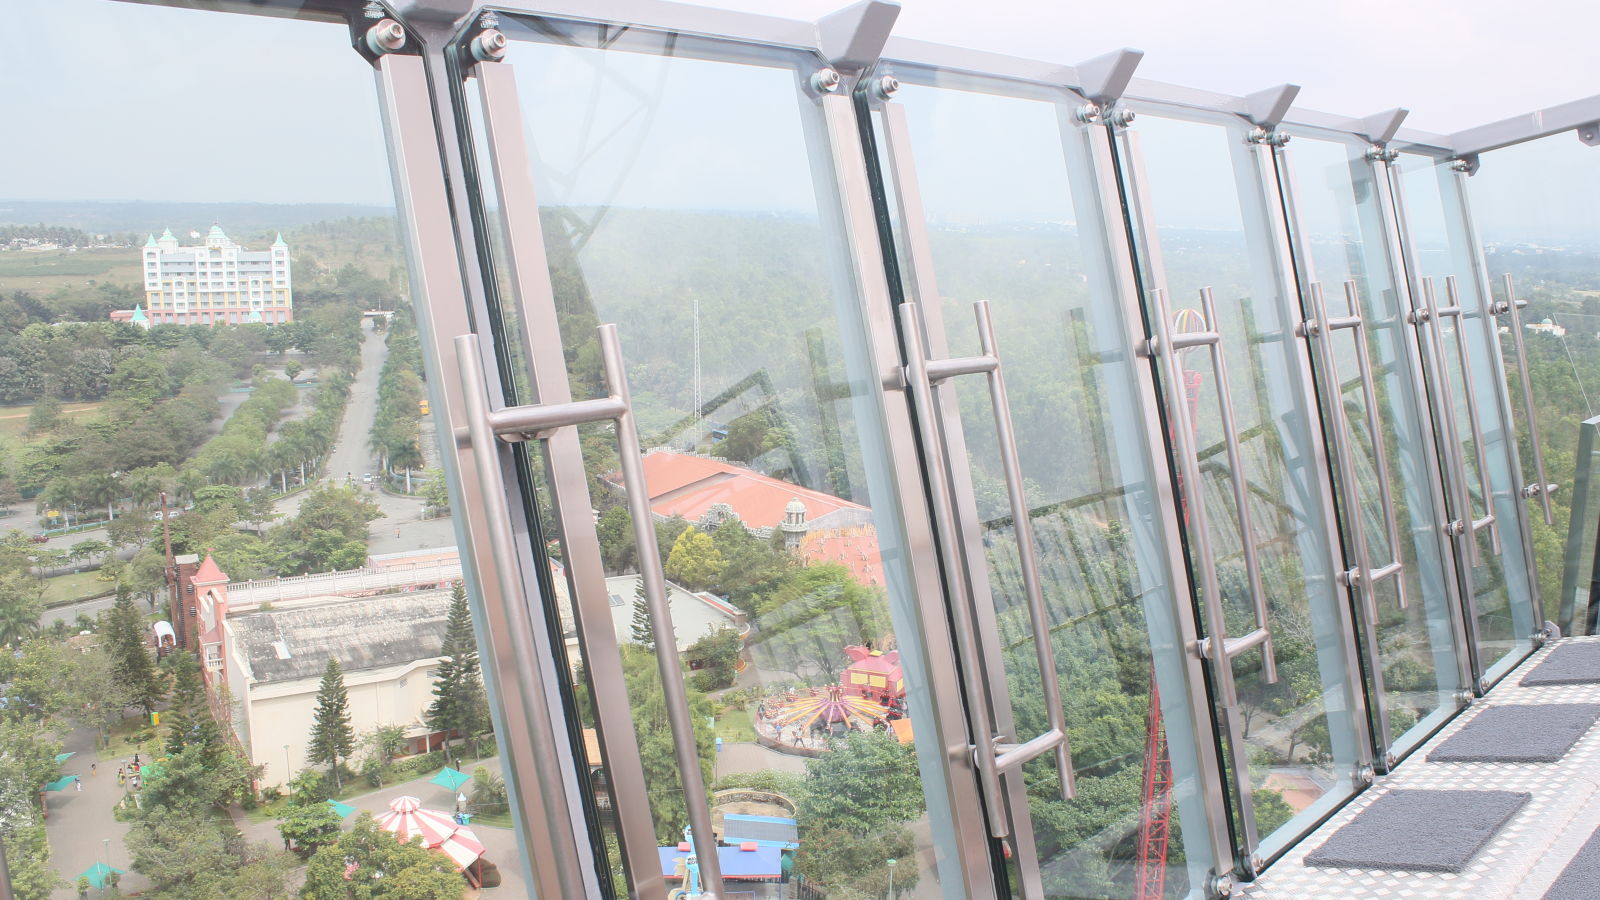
column 97, row 874
column 450, row 779
column 60, row 784
column 343, row 809
column 63, row 757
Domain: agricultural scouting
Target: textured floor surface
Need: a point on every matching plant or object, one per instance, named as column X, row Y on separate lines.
column 1580, row 880
column 1573, row 663
column 1525, row 857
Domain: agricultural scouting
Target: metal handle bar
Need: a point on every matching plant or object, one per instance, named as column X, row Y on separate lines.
column 1218, row 646
column 1429, row 313
column 534, row 421
column 1542, row 487
column 922, row 376
column 1474, row 420
column 1321, row 328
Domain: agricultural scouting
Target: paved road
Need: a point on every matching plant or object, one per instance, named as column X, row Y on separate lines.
column 81, row 828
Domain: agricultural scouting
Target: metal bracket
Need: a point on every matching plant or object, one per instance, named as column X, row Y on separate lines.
column 1221, row 885
column 1267, row 108
column 852, row 39
column 1467, row 163
column 1590, row 134
column 1381, row 127
column 1105, row 78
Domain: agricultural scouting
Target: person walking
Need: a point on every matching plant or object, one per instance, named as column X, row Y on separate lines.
column 92, row 767
column 77, row 782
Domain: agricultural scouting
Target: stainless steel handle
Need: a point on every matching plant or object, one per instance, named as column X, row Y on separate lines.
column 922, row 375
column 1218, row 646
column 1321, row 328
column 1542, row 487
column 488, row 427
column 1428, row 315
column 1474, row 420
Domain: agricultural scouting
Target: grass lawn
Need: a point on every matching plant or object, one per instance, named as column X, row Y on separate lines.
column 63, row 589
column 733, row 726
column 42, row 272
column 14, row 419
column 120, row 749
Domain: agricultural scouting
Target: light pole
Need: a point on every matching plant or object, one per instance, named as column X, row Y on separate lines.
column 891, row 879
column 105, row 859
column 286, row 774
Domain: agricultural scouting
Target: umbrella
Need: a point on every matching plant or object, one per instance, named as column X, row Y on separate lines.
column 406, row 819
column 97, row 874
column 343, row 809
column 63, row 757
column 450, row 779
column 60, row 784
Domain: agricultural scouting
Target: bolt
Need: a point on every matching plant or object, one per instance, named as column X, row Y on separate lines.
column 1257, row 863
column 1222, row 885
column 1459, row 165
column 886, row 86
column 386, row 36
column 1483, row 685
column 1258, row 135
column 1089, row 113
column 489, row 46
column 1279, row 138
column 1122, row 117
column 825, row 80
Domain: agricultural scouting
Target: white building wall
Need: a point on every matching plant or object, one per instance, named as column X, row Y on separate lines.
column 281, row 714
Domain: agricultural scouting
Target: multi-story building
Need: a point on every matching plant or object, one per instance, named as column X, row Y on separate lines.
column 217, row 282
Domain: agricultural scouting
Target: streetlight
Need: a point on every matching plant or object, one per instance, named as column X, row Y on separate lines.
column 286, row 765
column 891, row 879
column 105, row 859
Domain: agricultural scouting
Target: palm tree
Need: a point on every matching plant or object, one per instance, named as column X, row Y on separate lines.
column 18, row 622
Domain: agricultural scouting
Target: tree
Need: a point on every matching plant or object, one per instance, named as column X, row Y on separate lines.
column 292, row 369
column 694, row 562
column 715, row 657
column 45, row 415
column 311, row 827
column 386, row 741
column 332, row 737
column 189, row 717
column 436, row 494
column 130, row 654
column 180, row 852
column 21, row 604
column 644, row 634
column 458, row 699
column 488, row 792
column 866, row 782
column 368, row 863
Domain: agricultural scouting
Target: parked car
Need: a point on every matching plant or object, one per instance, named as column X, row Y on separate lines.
column 367, row 478
column 38, row 537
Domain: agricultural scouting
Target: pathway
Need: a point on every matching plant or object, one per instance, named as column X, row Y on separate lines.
column 81, row 827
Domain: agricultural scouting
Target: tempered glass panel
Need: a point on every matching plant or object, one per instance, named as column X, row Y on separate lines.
column 1301, row 732
column 205, row 294
column 1500, row 582
column 1538, row 211
column 713, row 243
column 1341, row 225
column 1009, row 199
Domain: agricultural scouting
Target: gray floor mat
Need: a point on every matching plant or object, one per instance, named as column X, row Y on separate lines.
column 1531, row 733
column 1569, row 664
column 1580, row 880
column 1419, row 831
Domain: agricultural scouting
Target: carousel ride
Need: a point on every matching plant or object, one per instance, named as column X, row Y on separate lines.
column 869, row 695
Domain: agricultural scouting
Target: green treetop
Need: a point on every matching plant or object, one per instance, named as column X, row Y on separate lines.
column 332, row 737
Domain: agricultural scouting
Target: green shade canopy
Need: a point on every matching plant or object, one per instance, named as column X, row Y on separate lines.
column 60, row 784
column 343, row 809
column 97, row 874
column 449, row 779
column 63, row 757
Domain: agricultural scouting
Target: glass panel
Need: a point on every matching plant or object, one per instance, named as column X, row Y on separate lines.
column 204, row 299
column 1538, row 211
column 713, row 244
column 1500, row 582
column 1008, row 221
column 1300, row 733
column 1341, row 227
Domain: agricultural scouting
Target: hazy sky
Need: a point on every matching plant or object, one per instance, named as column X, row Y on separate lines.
column 177, row 105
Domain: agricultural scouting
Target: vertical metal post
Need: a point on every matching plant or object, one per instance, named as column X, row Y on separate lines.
column 539, row 332
column 541, row 769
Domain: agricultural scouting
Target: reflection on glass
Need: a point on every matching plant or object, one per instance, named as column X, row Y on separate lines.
column 703, row 238
column 1003, row 194
column 1300, row 743
column 1500, row 580
column 210, row 373
column 1538, row 211
column 1341, row 227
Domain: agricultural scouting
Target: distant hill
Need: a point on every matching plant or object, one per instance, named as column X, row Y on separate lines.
column 141, row 217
